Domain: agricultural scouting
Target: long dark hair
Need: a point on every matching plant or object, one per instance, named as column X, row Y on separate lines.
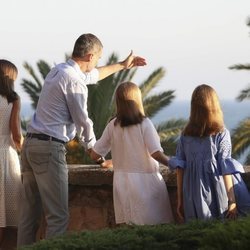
column 8, row 74
column 206, row 117
column 129, row 107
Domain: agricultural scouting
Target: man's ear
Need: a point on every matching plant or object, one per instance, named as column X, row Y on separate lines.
column 89, row 57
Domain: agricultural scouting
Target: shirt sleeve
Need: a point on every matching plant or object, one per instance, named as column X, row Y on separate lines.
column 178, row 161
column 226, row 163
column 103, row 145
column 92, row 77
column 76, row 97
column 151, row 137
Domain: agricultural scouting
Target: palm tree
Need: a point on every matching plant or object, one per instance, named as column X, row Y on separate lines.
column 245, row 93
column 101, row 106
column 241, row 140
column 33, row 88
column 241, row 134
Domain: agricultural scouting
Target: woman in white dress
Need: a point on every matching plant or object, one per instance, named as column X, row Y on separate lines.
column 139, row 191
column 10, row 141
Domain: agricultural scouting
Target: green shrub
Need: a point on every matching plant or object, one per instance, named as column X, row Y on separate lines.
column 195, row 235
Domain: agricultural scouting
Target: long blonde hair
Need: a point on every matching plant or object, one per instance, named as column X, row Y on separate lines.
column 129, row 107
column 206, row 117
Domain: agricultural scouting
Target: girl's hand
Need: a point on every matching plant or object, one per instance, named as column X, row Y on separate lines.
column 107, row 164
column 232, row 212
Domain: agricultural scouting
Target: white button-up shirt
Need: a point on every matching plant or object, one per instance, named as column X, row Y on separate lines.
column 62, row 106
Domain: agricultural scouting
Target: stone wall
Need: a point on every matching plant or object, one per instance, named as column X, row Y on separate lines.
column 91, row 199
column 90, row 196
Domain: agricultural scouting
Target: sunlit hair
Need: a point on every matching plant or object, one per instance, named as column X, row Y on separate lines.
column 206, row 117
column 129, row 107
column 8, row 74
column 85, row 44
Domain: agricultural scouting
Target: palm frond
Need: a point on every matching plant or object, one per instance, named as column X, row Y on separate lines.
column 44, row 68
column 30, row 86
column 240, row 67
column 170, row 128
column 112, row 59
column 32, row 90
column 169, row 146
column 241, row 138
column 151, row 81
column 248, row 21
column 169, row 132
column 31, row 71
column 153, row 104
column 125, row 75
column 244, row 94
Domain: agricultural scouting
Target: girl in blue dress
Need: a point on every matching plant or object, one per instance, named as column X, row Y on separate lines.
column 209, row 184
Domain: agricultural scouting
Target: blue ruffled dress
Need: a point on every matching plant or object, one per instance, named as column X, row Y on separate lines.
column 205, row 161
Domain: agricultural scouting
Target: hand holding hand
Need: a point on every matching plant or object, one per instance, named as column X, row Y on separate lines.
column 133, row 61
column 107, row 164
column 232, row 212
column 88, row 151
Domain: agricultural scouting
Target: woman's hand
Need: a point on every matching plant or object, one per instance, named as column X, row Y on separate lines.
column 232, row 212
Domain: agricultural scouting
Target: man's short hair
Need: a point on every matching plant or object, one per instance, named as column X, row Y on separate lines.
column 85, row 44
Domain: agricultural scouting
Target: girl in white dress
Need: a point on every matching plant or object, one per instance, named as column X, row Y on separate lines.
column 10, row 141
column 139, row 191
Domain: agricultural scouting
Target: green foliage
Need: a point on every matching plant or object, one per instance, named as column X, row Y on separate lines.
column 195, row 235
column 244, row 94
column 33, row 88
column 241, row 139
column 241, row 134
column 240, row 66
column 169, row 132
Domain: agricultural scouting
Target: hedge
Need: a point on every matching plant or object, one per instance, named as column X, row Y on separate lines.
column 195, row 235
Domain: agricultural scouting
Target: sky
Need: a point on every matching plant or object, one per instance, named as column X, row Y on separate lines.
column 195, row 41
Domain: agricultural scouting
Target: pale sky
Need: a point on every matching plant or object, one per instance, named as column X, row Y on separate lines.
column 195, row 40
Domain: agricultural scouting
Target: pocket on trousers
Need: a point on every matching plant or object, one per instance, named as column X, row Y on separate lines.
column 39, row 162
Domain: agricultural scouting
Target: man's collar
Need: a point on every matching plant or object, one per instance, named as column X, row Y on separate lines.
column 77, row 68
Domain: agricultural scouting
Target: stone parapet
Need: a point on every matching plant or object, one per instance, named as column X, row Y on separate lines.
column 94, row 175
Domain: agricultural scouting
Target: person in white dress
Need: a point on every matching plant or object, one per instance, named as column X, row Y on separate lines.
column 10, row 142
column 139, row 190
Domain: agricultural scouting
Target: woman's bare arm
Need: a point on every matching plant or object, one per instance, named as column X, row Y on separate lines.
column 15, row 124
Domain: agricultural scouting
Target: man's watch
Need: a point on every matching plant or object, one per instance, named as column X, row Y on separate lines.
column 100, row 160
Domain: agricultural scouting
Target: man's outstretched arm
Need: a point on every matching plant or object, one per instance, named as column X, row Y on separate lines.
column 130, row 62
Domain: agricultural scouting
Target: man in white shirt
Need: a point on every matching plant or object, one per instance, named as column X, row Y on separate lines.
column 61, row 112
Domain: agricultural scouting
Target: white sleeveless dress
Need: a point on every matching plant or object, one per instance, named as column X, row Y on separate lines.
column 10, row 176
